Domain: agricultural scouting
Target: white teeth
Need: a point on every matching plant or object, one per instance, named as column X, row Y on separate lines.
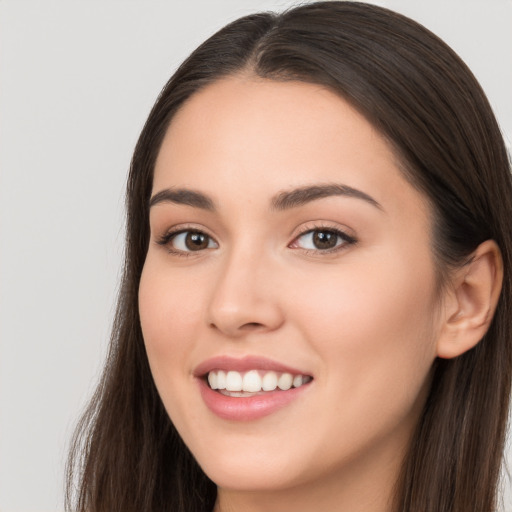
column 212, row 380
column 269, row 381
column 254, row 381
column 234, row 381
column 297, row 381
column 221, row 379
column 285, row 381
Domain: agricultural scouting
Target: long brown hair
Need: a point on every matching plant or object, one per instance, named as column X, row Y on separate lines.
column 127, row 456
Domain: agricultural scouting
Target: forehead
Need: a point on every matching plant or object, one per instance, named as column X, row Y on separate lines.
column 262, row 136
column 241, row 113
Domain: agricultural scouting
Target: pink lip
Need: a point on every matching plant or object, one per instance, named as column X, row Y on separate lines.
column 245, row 408
column 244, row 364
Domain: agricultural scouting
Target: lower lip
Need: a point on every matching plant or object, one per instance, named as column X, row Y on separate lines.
column 247, row 408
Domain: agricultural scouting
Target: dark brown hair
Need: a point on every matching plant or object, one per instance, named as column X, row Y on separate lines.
column 423, row 99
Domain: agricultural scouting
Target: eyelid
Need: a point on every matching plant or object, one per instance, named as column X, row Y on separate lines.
column 171, row 233
column 346, row 238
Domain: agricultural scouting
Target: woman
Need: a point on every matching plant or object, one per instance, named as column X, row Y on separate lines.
column 315, row 311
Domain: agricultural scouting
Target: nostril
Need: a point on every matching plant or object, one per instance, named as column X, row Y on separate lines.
column 251, row 325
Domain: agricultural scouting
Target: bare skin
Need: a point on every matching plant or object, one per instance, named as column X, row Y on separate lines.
column 363, row 318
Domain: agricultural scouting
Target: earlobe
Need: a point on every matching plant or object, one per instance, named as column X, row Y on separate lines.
column 472, row 301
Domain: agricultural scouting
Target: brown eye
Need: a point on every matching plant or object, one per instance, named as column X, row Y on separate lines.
column 190, row 241
column 196, row 241
column 323, row 240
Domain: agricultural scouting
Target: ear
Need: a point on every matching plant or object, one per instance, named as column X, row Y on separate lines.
column 471, row 301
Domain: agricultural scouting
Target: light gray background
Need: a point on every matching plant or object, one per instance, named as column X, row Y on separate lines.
column 77, row 79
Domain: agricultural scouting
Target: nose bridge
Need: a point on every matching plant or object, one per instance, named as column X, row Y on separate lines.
column 242, row 299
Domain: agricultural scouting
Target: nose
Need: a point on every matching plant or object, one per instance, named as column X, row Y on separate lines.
column 245, row 298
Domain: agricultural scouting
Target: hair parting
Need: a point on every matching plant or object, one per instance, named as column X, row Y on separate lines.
column 126, row 454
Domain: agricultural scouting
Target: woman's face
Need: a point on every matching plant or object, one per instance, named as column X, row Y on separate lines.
column 286, row 247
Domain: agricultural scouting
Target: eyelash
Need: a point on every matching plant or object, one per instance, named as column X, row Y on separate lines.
column 343, row 240
column 166, row 239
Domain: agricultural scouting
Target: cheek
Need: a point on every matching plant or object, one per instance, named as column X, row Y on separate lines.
column 169, row 319
column 374, row 327
column 376, row 344
column 378, row 291
column 169, row 311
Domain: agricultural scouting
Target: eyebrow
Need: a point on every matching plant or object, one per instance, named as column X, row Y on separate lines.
column 301, row 196
column 183, row 196
column 282, row 201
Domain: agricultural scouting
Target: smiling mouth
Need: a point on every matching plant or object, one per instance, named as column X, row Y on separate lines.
column 253, row 382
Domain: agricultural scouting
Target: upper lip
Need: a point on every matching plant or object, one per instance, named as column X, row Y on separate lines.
column 243, row 364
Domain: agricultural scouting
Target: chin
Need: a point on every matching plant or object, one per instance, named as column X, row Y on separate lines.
column 244, row 478
column 250, row 470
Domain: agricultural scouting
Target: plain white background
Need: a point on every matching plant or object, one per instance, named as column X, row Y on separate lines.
column 77, row 79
